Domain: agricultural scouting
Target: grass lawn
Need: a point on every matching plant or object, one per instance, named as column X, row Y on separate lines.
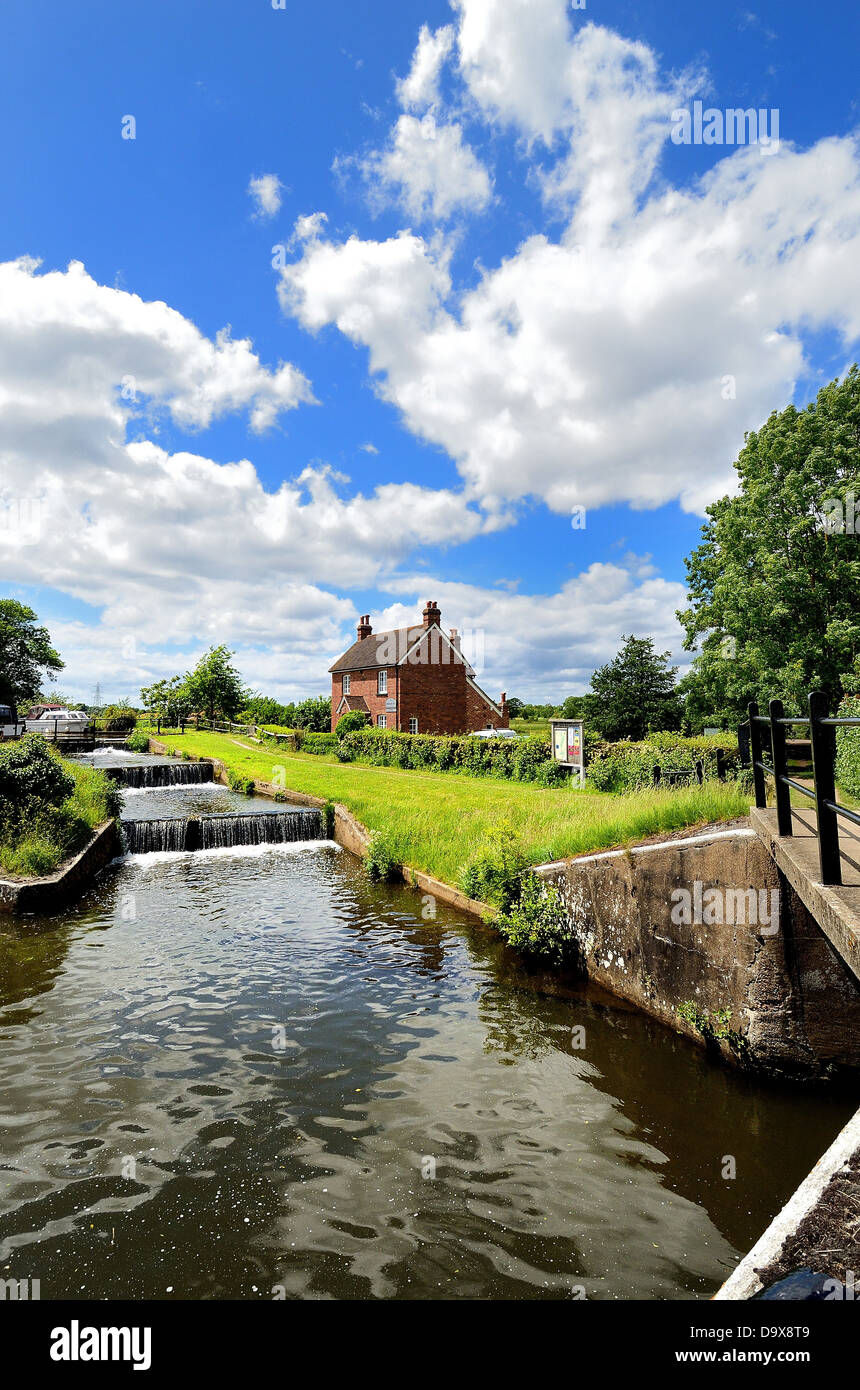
column 531, row 727
column 435, row 820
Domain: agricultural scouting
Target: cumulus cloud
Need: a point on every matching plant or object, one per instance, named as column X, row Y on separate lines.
column 92, row 508
column 266, row 190
column 547, row 645
column 623, row 358
column 420, row 88
column 429, row 170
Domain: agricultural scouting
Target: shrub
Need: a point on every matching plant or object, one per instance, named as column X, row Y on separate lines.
column 537, row 924
column 116, row 719
column 521, row 760
column 32, row 778
column 381, row 862
column 493, row 873
column 54, row 810
column 627, row 766
column 138, row 741
column 318, row 743
column 848, row 748
column 354, row 719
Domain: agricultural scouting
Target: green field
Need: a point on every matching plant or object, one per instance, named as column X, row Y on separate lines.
column 435, row 820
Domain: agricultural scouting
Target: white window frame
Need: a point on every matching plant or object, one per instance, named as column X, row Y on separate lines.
column 381, row 721
column 346, row 684
column 382, row 682
column 413, row 725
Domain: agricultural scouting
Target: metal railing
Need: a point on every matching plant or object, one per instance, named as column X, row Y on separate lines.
column 822, row 730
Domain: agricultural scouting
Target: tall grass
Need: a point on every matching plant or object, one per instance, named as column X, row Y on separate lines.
column 57, row 832
column 434, row 821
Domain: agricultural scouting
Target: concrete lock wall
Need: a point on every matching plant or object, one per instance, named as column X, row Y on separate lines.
column 770, row 994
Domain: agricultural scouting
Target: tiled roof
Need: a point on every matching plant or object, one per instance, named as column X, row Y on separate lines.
column 355, row 702
column 378, row 649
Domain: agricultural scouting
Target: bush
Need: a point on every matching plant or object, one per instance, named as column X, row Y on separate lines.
column 138, row 741
column 381, row 862
column 318, row 743
column 520, row 760
column 493, row 873
column 537, row 924
column 49, row 808
column 848, row 748
column 354, row 719
column 116, row 719
column 627, row 766
column 32, row 778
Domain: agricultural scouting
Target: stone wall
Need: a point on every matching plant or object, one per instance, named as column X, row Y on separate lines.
column 48, row 893
column 771, row 995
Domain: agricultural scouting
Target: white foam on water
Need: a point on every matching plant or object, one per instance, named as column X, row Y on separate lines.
column 164, row 856
column 194, row 787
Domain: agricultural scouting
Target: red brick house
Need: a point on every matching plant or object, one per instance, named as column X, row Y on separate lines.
column 414, row 680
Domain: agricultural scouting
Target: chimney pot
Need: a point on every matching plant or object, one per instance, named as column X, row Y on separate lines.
column 432, row 616
column 364, row 629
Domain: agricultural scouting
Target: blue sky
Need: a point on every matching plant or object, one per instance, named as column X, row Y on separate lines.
column 512, row 295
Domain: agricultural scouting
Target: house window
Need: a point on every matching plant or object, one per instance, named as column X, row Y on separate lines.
column 346, row 685
column 380, row 721
column 382, row 683
column 413, row 725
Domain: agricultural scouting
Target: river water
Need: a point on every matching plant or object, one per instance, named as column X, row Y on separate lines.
column 249, row 1073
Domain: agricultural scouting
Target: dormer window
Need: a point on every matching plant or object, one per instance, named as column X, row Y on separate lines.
column 346, row 685
column 382, row 683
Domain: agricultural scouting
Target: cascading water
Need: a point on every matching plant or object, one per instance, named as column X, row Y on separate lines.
column 179, row 774
column 221, row 832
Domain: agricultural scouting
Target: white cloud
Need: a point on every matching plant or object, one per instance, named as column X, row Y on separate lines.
column 175, row 546
column 429, row 170
column 267, row 193
column 624, row 358
column 546, row 645
column 421, row 88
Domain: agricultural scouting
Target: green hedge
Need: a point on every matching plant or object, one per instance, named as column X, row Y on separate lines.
column 519, row 760
column 628, row 766
column 848, row 748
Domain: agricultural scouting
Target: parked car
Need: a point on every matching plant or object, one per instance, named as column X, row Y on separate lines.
column 495, row 733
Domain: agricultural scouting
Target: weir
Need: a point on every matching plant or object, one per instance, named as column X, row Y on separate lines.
column 179, row 774
column 220, row 832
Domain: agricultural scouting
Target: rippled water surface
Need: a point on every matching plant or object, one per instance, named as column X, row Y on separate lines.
column 237, row 1071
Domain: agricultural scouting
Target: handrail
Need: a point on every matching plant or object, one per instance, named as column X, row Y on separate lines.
column 822, row 729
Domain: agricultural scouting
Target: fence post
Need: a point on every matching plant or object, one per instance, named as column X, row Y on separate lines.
column 700, row 771
column 656, row 774
column 755, row 755
column 780, row 768
column 823, row 770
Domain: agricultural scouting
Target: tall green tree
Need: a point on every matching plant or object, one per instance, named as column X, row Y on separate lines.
column 167, row 699
column 215, row 685
column 634, row 693
column 774, row 585
column 26, row 654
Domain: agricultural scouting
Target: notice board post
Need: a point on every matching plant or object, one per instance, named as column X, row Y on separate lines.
column 568, row 746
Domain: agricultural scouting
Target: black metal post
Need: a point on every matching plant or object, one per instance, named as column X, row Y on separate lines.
column 721, row 765
column 656, row 774
column 700, row 771
column 780, row 768
column 823, row 767
column 755, row 755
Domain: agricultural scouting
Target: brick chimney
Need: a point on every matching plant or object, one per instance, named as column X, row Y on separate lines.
column 503, row 705
column 432, row 616
column 455, row 639
column 364, row 629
